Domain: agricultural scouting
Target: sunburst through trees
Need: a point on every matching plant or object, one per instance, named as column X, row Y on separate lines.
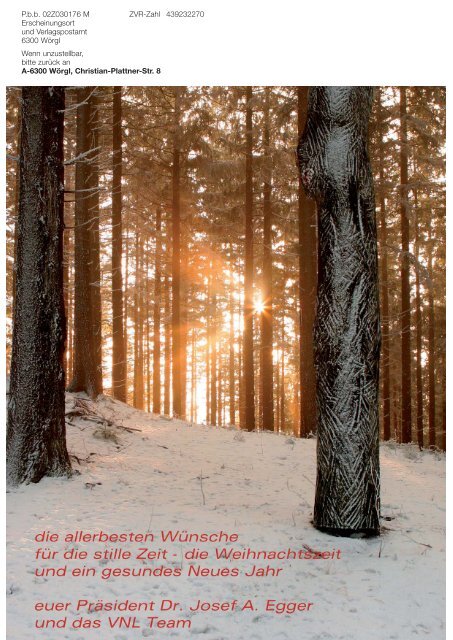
column 188, row 232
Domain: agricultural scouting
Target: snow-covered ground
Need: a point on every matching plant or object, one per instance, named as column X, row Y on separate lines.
column 171, row 475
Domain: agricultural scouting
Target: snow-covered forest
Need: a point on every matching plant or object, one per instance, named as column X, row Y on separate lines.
column 172, row 474
column 226, row 311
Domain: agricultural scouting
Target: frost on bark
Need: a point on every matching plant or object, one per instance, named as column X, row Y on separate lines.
column 36, row 434
column 335, row 171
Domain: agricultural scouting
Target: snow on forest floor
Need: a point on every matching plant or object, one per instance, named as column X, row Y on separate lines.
column 259, row 485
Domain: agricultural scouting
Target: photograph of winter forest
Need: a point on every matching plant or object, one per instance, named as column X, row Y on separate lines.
column 225, row 342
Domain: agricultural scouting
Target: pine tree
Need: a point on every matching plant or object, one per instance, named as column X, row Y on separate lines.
column 267, row 382
column 93, row 230
column 157, row 315
column 167, row 346
column 406, row 370
column 85, row 373
column 119, row 370
column 36, row 432
column 176, row 260
column 431, row 350
column 385, row 323
column 347, row 335
column 248, row 364
column 307, row 290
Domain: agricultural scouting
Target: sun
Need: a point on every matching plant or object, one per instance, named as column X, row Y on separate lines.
column 259, row 306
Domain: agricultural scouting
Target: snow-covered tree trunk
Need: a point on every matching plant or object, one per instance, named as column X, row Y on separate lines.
column 335, row 171
column 36, row 436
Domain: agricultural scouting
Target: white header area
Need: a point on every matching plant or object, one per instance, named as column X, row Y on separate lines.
column 218, row 42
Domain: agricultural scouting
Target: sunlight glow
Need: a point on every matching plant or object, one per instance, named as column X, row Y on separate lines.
column 259, row 306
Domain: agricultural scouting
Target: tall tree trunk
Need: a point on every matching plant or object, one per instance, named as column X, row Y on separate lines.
column 184, row 328
column 282, row 380
column 277, row 426
column 231, row 389
column 419, row 330
column 148, row 329
column 219, row 388
column 431, row 348
column 70, row 151
column 335, row 170
column 16, row 203
column 267, row 365
column 36, row 432
column 156, row 315
column 248, row 363
column 119, row 371
column 85, row 374
column 176, row 261
column 307, row 290
column 213, row 375
column 208, row 342
column 208, row 365
column 93, row 227
column 396, row 412
column 444, row 415
column 66, row 296
column 126, row 308
column 385, row 323
column 406, row 369
column 242, row 424
column 193, row 378
column 167, row 347
column 138, row 324
column 70, row 348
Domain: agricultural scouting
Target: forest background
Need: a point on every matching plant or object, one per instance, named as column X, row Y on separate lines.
column 185, row 213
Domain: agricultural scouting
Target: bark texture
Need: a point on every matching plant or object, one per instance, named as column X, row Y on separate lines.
column 85, row 373
column 248, row 363
column 419, row 328
column 119, row 369
column 176, row 261
column 267, row 318
column 431, row 349
column 93, row 230
column 36, row 433
column 386, row 400
column 307, row 290
column 157, row 314
column 335, row 171
column 231, row 367
column 406, row 353
column 167, row 346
